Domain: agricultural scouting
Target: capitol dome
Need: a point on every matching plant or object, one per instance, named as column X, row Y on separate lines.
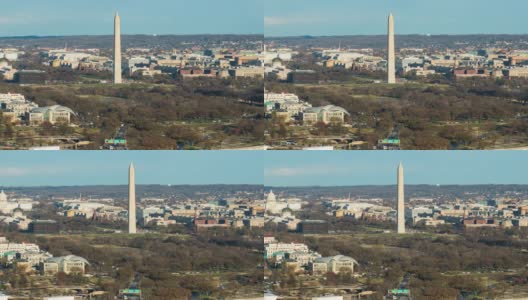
column 3, row 196
column 271, row 197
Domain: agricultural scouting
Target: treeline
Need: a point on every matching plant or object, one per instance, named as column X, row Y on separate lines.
column 154, row 190
column 403, row 41
column 467, row 114
column 166, row 264
column 434, row 263
column 157, row 116
column 132, row 41
column 389, row 191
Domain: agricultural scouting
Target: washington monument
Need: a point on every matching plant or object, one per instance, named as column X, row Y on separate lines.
column 391, row 60
column 131, row 199
column 117, row 49
column 401, row 204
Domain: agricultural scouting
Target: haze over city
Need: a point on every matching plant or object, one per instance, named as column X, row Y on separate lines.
column 99, row 168
column 63, row 17
column 316, row 168
column 367, row 17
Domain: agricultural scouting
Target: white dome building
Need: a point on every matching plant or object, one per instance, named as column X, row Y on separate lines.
column 67, row 264
column 52, row 114
column 333, row 264
column 7, row 207
column 271, row 197
column 273, row 206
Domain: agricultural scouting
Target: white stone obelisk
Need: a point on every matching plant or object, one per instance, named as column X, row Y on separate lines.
column 117, row 49
column 131, row 199
column 401, row 201
column 391, row 59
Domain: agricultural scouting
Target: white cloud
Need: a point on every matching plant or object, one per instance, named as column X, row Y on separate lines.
column 5, row 20
column 270, row 21
column 32, row 171
column 303, row 171
column 14, row 20
column 13, row 172
column 282, row 172
column 299, row 19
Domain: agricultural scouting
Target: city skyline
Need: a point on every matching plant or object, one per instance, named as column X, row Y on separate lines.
column 64, row 18
column 84, row 168
column 311, row 168
column 362, row 17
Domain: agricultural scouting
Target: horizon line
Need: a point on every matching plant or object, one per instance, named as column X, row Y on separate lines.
column 129, row 34
column 395, row 184
column 123, row 184
column 396, row 34
column 263, row 186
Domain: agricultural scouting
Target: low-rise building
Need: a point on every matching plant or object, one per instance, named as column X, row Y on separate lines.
column 518, row 72
column 52, row 114
column 253, row 72
column 254, row 222
column 313, row 227
column 272, row 249
column 326, row 114
column 44, row 227
column 16, row 104
column 333, row 264
column 66, row 264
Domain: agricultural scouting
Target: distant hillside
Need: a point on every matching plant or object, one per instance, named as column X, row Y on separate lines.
column 403, row 41
column 389, row 191
column 153, row 190
column 128, row 41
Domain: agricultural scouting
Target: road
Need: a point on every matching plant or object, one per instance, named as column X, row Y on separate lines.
column 134, row 285
column 120, row 135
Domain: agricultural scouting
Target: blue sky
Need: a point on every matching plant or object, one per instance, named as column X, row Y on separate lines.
column 75, row 17
column 272, row 168
column 347, row 168
column 352, row 17
column 66, row 168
